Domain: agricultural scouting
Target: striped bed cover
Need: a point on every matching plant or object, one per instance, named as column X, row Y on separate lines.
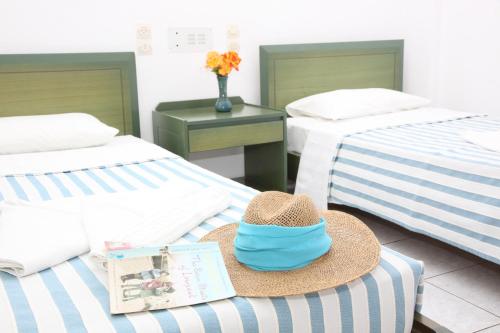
column 425, row 178
column 72, row 297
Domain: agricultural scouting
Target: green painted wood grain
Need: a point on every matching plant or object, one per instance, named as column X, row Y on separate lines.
column 265, row 166
column 235, row 136
column 202, row 112
column 196, row 103
column 290, row 72
column 101, row 84
column 171, row 133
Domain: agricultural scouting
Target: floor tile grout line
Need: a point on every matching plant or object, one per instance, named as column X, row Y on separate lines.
column 452, row 271
column 416, row 236
column 465, row 300
column 399, row 240
column 487, row 328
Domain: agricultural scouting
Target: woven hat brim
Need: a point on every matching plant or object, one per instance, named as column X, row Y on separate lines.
column 355, row 251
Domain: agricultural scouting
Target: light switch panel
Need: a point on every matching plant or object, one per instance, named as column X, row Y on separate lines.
column 190, row 39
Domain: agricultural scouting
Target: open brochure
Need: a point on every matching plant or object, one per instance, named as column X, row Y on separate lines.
column 152, row 278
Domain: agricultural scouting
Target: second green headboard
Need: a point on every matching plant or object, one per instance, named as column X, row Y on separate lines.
column 289, row 72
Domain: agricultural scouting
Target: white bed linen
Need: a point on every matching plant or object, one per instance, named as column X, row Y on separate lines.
column 354, row 103
column 426, row 178
column 323, row 138
column 36, row 236
column 122, row 149
column 489, row 140
column 298, row 128
column 151, row 217
column 73, row 297
column 38, row 133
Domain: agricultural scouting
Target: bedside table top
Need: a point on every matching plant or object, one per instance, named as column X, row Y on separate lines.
column 204, row 112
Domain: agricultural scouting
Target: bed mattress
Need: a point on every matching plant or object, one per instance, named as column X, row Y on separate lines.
column 426, row 178
column 73, row 297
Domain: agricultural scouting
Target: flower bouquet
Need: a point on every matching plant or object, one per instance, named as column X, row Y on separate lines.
column 222, row 65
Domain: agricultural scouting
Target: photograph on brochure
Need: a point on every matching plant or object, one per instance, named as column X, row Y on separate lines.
column 153, row 278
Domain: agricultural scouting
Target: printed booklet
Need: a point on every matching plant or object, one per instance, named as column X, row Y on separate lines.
column 152, row 278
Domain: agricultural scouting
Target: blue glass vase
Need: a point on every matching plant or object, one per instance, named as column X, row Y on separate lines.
column 223, row 104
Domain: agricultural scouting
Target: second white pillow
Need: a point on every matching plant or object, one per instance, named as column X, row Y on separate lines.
column 353, row 103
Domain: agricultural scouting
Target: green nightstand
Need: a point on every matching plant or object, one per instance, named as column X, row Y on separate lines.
column 186, row 127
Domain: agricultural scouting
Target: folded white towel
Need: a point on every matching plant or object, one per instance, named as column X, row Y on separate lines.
column 36, row 236
column 488, row 140
column 155, row 217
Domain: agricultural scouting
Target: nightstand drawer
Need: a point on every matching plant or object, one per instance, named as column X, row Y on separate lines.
column 233, row 136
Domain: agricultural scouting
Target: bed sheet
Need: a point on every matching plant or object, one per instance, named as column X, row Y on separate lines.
column 73, row 297
column 426, row 178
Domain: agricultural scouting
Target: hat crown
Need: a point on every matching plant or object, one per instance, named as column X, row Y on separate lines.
column 281, row 209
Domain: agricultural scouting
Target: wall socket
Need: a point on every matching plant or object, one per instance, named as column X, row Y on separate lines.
column 233, row 31
column 144, row 48
column 190, row 39
column 143, row 31
column 233, row 37
column 143, row 35
column 233, row 45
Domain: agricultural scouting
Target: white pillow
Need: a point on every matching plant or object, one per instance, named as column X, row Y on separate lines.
column 26, row 134
column 353, row 103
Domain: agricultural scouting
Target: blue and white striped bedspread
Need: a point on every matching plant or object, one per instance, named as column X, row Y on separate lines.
column 426, row 178
column 72, row 297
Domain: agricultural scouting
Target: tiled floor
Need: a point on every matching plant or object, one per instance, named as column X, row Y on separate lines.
column 461, row 293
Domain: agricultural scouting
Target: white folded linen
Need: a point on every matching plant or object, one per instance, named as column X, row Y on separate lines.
column 489, row 140
column 156, row 217
column 36, row 236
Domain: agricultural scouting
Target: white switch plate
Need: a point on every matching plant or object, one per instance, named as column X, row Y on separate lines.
column 144, row 48
column 233, row 45
column 190, row 39
column 233, row 31
column 143, row 31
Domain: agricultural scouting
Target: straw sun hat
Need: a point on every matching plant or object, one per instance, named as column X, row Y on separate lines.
column 346, row 248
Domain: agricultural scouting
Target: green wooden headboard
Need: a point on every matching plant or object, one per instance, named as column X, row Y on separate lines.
column 101, row 84
column 290, row 72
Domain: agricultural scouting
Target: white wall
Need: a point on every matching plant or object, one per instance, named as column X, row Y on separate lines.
column 99, row 26
column 469, row 63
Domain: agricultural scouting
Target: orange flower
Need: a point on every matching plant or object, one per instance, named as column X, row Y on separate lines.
column 223, row 64
column 224, row 69
column 214, row 60
column 233, row 59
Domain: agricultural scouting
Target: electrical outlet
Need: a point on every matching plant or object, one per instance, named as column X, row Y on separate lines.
column 233, row 45
column 233, row 31
column 144, row 48
column 233, row 37
column 189, row 39
column 143, row 32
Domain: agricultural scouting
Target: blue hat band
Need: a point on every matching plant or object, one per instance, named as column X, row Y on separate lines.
column 277, row 248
